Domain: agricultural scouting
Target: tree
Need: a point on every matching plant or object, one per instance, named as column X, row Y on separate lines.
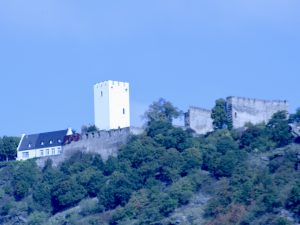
column 66, row 194
column 219, row 115
column 162, row 110
column 295, row 118
column 8, row 148
column 89, row 128
column 116, row 191
column 293, row 201
column 25, row 175
column 279, row 129
column 170, row 166
column 192, row 159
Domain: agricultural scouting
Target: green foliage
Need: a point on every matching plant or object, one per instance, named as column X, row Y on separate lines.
column 279, row 129
column 90, row 128
column 295, row 118
column 219, row 115
column 168, row 136
column 37, row 218
column 182, row 191
column 42, row 196
column 221, row 155
column 293, row 201
column 261, row 137
column 8, row 148
column 191, row 160
column 67, row 193
column 88, row 206
column 116, row 191
column 249, row 181
column 25, row 176
column 163, row 111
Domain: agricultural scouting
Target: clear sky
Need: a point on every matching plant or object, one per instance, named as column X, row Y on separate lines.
column 190, row 52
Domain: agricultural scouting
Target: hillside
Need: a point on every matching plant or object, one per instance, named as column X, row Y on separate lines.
column 165, row 176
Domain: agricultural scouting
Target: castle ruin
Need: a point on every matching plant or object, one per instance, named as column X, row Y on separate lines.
column 243, row 110
column 239, row 111
column 199, row 120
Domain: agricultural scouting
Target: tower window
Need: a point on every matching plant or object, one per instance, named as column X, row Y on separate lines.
column 123, row 111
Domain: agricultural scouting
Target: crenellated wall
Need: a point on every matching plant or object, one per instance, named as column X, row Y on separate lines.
column 239, row 111
column 243, row 110
column 105, row 143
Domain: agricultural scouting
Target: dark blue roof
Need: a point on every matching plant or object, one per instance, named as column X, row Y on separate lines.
column 43, row 140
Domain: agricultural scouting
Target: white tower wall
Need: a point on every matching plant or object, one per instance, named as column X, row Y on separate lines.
column 111, row 103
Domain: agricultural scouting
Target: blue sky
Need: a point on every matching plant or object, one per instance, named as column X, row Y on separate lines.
column 190, row 52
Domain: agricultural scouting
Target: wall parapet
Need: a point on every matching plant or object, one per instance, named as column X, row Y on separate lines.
column 199, row 109
column 104, row 133
column 254, row 100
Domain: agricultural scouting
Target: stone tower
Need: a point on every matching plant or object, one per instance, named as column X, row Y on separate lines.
column 111, row 105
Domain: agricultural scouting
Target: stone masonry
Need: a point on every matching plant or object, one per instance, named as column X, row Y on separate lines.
column 239, row 110
column 105, row 143
column 244, row 110
column 199, row 120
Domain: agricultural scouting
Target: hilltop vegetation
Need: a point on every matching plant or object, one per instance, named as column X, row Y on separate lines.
column 250, row 176
column 8, row 148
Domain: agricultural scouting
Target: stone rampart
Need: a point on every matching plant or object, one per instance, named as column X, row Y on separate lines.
column 199, row 120
column 243, row 110
column 105, row 143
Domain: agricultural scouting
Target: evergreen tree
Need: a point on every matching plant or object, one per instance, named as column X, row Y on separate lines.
column 219, row 115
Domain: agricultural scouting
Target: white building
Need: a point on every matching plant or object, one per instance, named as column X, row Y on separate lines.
column 111, row 105
column 42, row 145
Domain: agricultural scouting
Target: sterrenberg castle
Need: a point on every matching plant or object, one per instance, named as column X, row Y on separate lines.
column 112, row 118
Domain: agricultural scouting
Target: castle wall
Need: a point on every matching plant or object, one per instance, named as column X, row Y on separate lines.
column 105, row 143
column 199, row 120
column 243, row 110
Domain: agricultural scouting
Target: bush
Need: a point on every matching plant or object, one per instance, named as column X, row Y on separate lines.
column 88, row 206
column 37, row 218
column 293, row 201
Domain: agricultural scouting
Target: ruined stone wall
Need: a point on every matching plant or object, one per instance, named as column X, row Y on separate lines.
column 199, row 120
column 243, row 110
column 105, row 143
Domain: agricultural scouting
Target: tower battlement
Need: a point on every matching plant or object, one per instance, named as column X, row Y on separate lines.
column 111, row 105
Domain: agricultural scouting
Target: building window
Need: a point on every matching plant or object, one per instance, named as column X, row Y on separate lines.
column 29, row 145
column 59, row 141
column 53, row 151
column 235, row 115
column 47, row 151
column 42, row 152
column 59, row 150
column 101, row 93
column 51, row 142
column 42, row 143
column 25, row 155
column 123, row 111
